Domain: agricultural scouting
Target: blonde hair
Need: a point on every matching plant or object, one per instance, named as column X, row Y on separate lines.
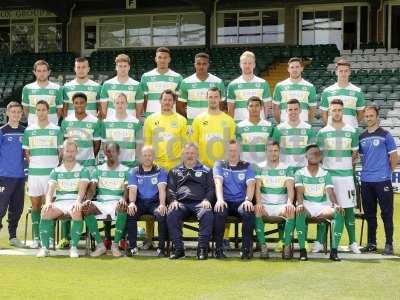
column 122, row 58
column 247, row 54
column 70, row 142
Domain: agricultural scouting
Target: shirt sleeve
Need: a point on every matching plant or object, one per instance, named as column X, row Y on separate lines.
column 64, row 94
column 320, row 140
column 97, row 132
column 195, row 131
column 360, row 105
column 324, row 101
column 143, row 85
column 290, row 173
column 266, row 92
column 25, row 96
column 277, row 95
column 276, row 135
column 390, row 143
column 95, row 176
column 221, row 87
column 59, row 98
column 328, row 181
column 312, row 97
column 217, row 170
column 60, row 138
column 354, row 141
column 171, row 187
column 210, row 188
column 183, row 95
column 184, row 130
column 250, row 175
column 139, row 95
column 311, row 136
column 230, row 95
column 25, row 141
column 148, row 132
column 132, row 179
column 53, row 176
column 85, row 175
column 162, row 177
column 104, row 93
column 298, row 179
column 232, row 128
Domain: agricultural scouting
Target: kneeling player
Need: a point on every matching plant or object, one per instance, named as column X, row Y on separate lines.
column 69, row 182
column 234, row 186
column 275, row 195
column 313, row 184
column 147, row 193
column 110, row 180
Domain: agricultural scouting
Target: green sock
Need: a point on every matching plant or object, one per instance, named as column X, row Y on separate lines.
column 91, row 223
column 76, row 231
column 66, row 229
column 35, row 215
column 107, row 230
column 301, row 228
column 338, row 223
column 289, row 227
column 321, row 233
column 45, row 232
column 260, row 230
column 281, row 231
column 120, row 226
column 350, row 220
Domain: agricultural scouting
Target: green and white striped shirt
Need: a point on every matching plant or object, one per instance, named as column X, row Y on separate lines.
column 314, row 186
column 253, row 139
column 43, row 145
column 68, row 181
column 83, row 132
column 193, row 91
column 293, row 142
column 273, row 187
column 110, row 183
column 112, row 88
column 125, row 133
column 337, row 146
column 52, row 94
column 90, row 88
column 153, row 84
column 303, row 91
column 353, row 101
column 240, row 90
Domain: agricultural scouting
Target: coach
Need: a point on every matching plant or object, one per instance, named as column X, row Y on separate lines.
column 190, row 193
column 12, row 176
column 379, row 159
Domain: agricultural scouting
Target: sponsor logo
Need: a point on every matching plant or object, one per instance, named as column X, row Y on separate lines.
column 198, row 174
column 154, row 180
column 241, row 176
column 121, row 174
column 375, row 142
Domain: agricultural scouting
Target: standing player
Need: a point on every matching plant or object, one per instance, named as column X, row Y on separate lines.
column 351, row 96
column 121, row 83
column 234, row 187
column 42, row 89
column 68, row 183
column 313, row 189
column 12, row 175
column 108, row 183
column 122, row 128
column 158, row 80
column 166, row 132
column 295, row 87
column 245, row 86
column 212, row 130
column 254, row 133
column 275, row 197
column 193, row 90
column 293, row 136
column 339, row 143
column 82, row 84
column 147, row 195
column 42, row 141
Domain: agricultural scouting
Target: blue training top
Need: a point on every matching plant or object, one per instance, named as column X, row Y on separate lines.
column 147, row 182
column 235, row 179
column 11, row 153
column 375, row 148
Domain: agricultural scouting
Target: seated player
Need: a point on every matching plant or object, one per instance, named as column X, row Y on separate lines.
column 109, row 180
column 275, row 196
column 147, row 193
column 313, row 185
column 190, row 193
column 234, row 186
column 69, row 182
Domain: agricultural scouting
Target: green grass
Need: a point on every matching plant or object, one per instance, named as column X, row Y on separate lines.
column 147, row 277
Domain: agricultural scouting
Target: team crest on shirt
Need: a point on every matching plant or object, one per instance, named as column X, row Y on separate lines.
column 304, row 88
column 88, row 125
column 21, row 139
column 90, row 88
column 194, row 85
column 51, row 92
column 246, row 129
column 170, row 79
column 352, row 94
column 154, row 180
column 281, row 172
column 226, row 174
column 33, row 91
column 285, row 132
column 239, row 85
column 347, row 134
column 130, row 125
column 241, row 176
column 329, row 135
column 205, row 123
column 375, row 142
column 223, row 123
column 303, row 132
column 258, row 85
column 113, row 86
column 111, row 125
column 198, row 174
column 51, row 132
column 104, row 174
column 130, row 88
column 76, row 174
column 61, row 175
column 140, row 180
column 174, row 124
column 321, row 180
column 264, row 128
column 121, row 174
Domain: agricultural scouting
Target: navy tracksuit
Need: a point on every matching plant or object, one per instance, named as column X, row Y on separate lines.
column 190, row 187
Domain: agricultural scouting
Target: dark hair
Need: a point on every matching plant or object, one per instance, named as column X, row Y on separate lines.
column 254, row 99
column 12, row 104
column 41, row 62
column 342, row 62
column 310, row 146
column 295, row 59
column 202, row 55
column 273, row 143
column 79, row 95
column 336, row 101
column 169, row 92
column 43, row 102
column 293, row 101
column 232, row 142
column 164, row 50
column 81, row 59
column 214, row 89
column 373, row 107
column 112, row 144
